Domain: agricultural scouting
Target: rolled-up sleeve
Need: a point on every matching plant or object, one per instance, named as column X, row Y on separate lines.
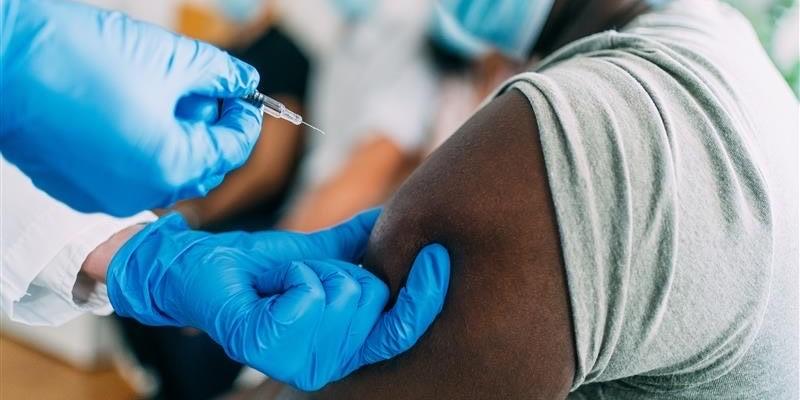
column 43, row 244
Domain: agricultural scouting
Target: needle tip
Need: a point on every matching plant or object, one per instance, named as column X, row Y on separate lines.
column 314, row 128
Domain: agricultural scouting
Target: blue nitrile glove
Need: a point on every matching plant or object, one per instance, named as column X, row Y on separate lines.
column 290, row 305
column 94, row 107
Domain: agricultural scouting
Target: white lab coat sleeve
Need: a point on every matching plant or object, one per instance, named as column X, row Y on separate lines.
column 402, row 107
column 378, row 82
column 43, row 244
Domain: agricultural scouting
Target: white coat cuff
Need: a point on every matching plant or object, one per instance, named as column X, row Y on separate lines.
column 52, row 289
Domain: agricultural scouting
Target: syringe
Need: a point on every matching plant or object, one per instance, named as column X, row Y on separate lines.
column 276, row 109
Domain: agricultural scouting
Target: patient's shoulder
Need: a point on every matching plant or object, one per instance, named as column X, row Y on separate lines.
column 484, row 191
column 505, row 330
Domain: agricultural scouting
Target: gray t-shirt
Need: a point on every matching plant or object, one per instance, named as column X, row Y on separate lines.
column 671, row 149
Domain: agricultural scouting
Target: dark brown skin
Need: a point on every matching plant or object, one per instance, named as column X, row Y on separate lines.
column 505, row 331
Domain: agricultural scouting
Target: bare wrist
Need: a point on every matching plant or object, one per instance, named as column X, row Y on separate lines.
column 96, row 263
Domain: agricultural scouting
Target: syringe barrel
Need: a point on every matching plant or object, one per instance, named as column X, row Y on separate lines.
column 290, row 116
column 274, row 108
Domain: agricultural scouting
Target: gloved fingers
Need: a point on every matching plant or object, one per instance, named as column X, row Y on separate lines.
column 289, row 312
column 342, row 291
column 215, row 73
column 196, row 108
column 342, row 296
column 295, row 293
column 346, row 241
column 210, row 183
column 236, row 133
column 374, row 296
column 202, row 153
column 418, row 304
column 374, row 292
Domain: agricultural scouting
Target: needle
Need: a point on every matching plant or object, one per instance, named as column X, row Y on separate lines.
column 276, row 109
column 314, row 128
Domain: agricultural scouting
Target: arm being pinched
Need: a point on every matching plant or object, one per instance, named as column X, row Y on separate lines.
column 505, row 330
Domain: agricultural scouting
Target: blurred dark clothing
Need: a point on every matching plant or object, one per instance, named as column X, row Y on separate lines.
column 188, row 364
column 283, row 67
column 285, row 72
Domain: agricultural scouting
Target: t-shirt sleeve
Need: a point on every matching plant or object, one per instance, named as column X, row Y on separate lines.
column 654, row 193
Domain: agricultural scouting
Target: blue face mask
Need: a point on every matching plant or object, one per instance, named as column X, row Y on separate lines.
column 472, row 26
column 241, row 10
column 450, row 34
column 657, row 4
column 354, row 9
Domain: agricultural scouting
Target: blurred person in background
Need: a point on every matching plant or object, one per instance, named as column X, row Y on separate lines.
column 141, row 117
column 373, row 91
column 252, row 197
column 186, row 363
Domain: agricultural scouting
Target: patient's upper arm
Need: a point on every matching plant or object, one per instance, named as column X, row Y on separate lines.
column 505, row 330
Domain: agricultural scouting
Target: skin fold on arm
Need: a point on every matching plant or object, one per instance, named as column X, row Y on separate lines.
column 505, row 330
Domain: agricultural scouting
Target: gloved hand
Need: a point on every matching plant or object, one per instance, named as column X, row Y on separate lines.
column 290, row 305
column 95, row 107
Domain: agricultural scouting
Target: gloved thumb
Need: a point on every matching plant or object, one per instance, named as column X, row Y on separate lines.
column 291, row 303
column 294, row 291
column 417, row 306
column 346, row 241
column 215, row 73
column 204, row 153
column 196, row 108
